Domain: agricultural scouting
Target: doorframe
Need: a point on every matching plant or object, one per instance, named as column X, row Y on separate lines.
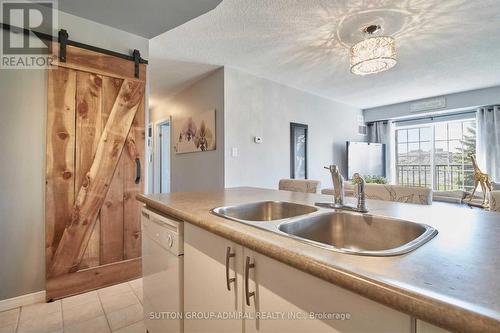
column 293, row 126
column 157, row 154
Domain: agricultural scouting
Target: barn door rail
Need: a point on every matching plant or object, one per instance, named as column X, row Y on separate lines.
column 63, row 40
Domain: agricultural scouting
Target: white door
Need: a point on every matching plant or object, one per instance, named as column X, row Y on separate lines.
column 206, row 290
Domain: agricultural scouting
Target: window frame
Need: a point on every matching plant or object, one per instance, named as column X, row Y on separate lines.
column 432, row 125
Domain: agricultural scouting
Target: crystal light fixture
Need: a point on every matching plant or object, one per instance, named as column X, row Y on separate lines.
column 373, row 55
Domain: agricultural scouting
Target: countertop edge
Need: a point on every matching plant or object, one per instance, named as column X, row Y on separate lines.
column 454, row 318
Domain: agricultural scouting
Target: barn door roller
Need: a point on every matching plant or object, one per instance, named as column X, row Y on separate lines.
column 137, row 60
column 63, row 41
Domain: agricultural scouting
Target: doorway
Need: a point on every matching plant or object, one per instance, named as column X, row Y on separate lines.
column 163, row 130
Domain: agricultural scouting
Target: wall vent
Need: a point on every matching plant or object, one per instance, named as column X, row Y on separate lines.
column 429, row 104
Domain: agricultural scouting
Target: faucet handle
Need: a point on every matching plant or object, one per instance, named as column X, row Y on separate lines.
column 360, row 181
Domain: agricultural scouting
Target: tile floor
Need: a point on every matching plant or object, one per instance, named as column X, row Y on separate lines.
column 112, row 309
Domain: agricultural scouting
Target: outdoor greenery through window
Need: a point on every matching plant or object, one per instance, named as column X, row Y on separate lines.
column 435, row 155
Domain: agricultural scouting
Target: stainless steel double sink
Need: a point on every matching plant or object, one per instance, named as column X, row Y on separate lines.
column 333, row 229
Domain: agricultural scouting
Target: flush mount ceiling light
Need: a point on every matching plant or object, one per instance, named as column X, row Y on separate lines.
column 373, row 55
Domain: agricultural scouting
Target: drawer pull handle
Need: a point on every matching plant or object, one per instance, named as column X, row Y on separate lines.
column 228, row 256
column 248, row 294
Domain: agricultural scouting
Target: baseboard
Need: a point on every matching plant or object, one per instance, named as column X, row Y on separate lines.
column 28, row 299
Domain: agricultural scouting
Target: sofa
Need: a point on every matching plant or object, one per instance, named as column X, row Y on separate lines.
column 453, row 196
column 420, row 195
column 395, row 193
column 299, row 185
column 495, row 201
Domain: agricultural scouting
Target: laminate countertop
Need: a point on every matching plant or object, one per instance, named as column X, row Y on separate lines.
column 453, row 281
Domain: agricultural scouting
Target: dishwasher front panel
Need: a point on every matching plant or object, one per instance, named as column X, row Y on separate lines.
column 162, row 282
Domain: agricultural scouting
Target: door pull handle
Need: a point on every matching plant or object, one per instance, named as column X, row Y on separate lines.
column 229, row 255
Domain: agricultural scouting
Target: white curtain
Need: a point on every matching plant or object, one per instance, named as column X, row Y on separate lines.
column 383, row 132
column 488, row 140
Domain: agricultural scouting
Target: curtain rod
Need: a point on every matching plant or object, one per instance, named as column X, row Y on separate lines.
column 438, row 116
column 385, row 122
column 423, row 118
column 48, row 37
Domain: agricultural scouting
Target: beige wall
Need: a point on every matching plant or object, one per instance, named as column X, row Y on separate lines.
column 22, row 134
column 22, row 141
column 259, row 107
column 248, row 106
column 200, row 170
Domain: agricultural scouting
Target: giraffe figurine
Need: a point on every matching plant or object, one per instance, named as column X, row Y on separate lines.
column 480, row 178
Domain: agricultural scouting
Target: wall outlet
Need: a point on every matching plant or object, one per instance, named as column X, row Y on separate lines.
column 234, row 152
column 257, row 139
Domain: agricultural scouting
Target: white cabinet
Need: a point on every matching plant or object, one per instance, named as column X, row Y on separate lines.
column 282, row 290
column 205, row 281
column 283, row 298
column 423, row 327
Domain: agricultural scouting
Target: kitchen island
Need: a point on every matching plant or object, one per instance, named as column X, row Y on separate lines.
column 452, row 281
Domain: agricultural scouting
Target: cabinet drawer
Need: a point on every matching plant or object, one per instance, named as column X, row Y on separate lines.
column 323, row 307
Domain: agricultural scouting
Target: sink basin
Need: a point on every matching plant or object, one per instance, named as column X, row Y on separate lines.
column 336, row 230
column 360, row 234
column 263, row 211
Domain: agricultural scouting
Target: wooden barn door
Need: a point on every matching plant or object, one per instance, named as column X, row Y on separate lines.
column 95, row 150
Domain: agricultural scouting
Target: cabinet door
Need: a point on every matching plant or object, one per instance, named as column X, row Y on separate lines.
column 423, row 327
column 285, row 298
column 205, row 285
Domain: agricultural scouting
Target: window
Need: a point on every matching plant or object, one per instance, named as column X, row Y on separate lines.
column 413, row 156
column 435, row 155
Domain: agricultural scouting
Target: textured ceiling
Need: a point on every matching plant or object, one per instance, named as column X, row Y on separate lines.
column 146, row 18
column 443, row 46
column 168, row 77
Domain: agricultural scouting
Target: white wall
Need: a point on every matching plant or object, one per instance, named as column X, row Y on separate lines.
column 462, row 100
column 201, row 170
column 259, row 107
column 22, row 136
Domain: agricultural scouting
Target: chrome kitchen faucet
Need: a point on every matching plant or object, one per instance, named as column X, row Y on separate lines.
column 360, row 182
column 338, row 192
column 338, row 185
